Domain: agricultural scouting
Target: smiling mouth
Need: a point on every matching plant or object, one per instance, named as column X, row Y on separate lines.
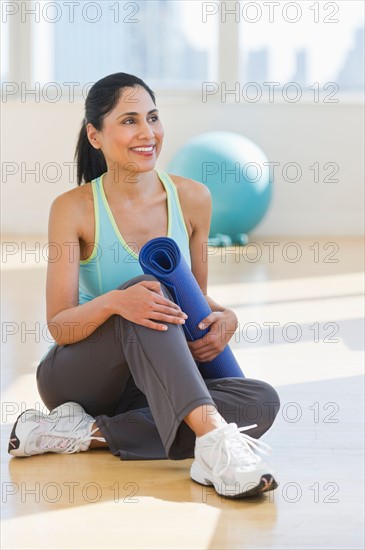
column 144, row 149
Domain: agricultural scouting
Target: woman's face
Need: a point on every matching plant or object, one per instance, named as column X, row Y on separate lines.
column 133, row 124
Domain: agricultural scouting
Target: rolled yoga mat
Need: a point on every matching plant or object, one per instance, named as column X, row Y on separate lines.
column 162, row 258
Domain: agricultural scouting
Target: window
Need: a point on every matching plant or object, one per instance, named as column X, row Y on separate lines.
column 163, row 42
column 184, row 44
column 303, row 42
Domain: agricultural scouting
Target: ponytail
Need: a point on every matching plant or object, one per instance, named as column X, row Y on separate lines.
column 101, row 99
column 90, row 161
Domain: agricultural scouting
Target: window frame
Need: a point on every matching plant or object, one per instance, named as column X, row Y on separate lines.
column 20, row 67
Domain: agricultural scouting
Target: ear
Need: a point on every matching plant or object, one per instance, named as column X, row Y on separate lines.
column 93, row 136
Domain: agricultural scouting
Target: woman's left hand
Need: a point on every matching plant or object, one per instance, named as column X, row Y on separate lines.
column 222, row 325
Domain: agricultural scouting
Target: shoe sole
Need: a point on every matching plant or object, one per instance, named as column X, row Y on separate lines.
column 267, row 483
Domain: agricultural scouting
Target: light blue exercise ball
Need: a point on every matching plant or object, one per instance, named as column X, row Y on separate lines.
column 237, row 173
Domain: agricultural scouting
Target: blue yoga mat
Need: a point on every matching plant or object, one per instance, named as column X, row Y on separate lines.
column 162, row 258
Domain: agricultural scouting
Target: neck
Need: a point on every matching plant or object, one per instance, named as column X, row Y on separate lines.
column 129, row 185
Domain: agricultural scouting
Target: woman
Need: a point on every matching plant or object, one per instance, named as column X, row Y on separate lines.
column 121, row 374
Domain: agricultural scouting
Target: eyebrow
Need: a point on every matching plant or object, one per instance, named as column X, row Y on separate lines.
column 137, row 114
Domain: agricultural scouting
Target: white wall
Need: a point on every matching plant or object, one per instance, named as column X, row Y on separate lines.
column 304, row 133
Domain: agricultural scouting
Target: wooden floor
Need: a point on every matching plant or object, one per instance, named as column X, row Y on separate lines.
column 301, row 330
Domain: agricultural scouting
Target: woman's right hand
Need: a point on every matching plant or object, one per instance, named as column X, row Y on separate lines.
column 144, row 303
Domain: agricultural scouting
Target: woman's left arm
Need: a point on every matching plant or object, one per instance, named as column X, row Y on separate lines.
column 222, row 322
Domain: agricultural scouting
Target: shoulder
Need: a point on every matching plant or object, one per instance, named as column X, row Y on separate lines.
column 73, row 205
column 196, row 202
column 192, row 193
column 75, row 198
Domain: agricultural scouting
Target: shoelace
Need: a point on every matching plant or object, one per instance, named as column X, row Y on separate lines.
column 66, row 444
column 239, row 445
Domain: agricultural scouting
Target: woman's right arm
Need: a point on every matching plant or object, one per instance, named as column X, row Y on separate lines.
column 67, row 321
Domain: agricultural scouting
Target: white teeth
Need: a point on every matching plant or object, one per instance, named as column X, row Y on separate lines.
column 146, row 149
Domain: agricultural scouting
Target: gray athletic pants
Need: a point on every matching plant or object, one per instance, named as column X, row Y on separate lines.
column 140, row 383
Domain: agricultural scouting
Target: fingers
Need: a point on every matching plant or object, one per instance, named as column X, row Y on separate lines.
column 155, row 286
column 166, row 305
column 161, row 300
column 163, row 309
column 206, row 348
column 165, row 314
column 155, row 326
column 206, row 353
column 170, row 311
column 167, row 318
column 202, row 343
column 149, row 323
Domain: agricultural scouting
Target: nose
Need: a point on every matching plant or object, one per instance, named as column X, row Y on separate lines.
column 146, row 131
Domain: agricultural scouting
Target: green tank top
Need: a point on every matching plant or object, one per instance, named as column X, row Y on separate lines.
column 112, row 260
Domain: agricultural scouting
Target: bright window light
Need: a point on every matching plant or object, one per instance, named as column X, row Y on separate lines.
column 303, row 42
column 163, row 42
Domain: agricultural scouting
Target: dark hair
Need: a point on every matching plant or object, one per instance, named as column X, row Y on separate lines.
column 101, row 99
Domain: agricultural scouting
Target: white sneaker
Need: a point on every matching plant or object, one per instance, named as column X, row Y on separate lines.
column 226, row 459
column 67, row 429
